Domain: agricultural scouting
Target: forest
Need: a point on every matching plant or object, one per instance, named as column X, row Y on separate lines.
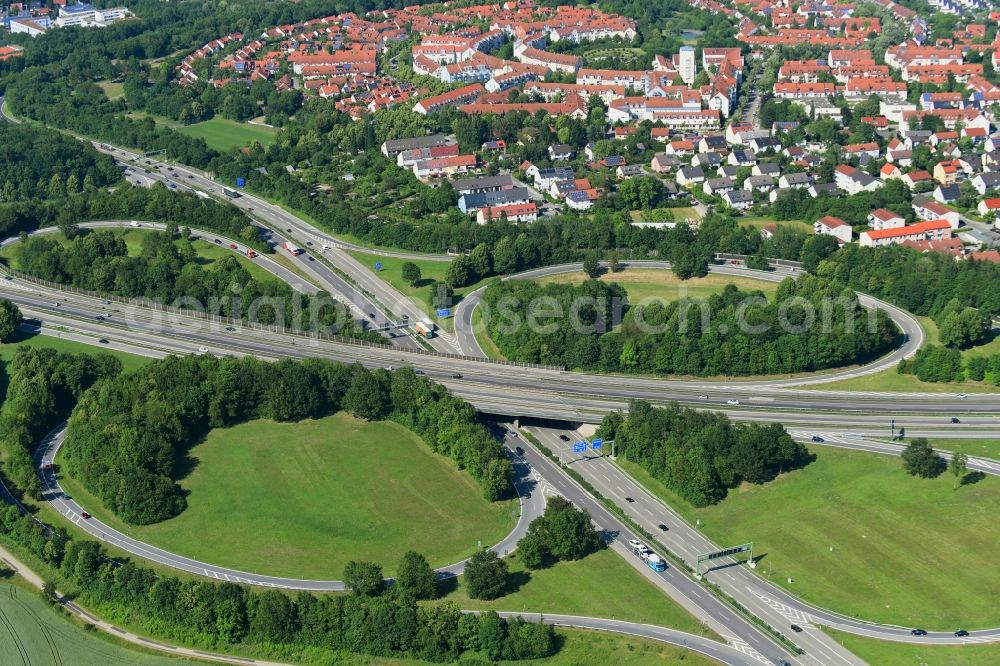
column 700, row 455
column 42, row 387
column 127, row 439
column 717, row 336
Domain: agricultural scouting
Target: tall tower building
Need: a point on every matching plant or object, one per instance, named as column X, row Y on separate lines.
column 688, row 65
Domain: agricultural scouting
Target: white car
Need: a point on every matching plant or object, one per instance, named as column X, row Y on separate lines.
column 203, row 350
column 732, row 402
column 133, row 223
column 961, row 396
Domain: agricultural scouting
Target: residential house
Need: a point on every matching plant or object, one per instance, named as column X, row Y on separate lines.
column 688, row 176
column 738, row 199
column 990, row 208
column 628, row 171
column 834, row 226
column 718, row 186
column 559, row 152
column 880, row 218
column 946, row 193
column 474, row 201
column 915, row 179
column 664, row 163
column 986, row 181
column 926, row 208
column 852, row 180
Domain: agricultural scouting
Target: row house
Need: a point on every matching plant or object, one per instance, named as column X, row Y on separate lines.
column 864, row 87
column 574, row 107
column 554, row 62
column 628, row 109
column 457, row 97
column 550, row 91
column 926, row 209
column 473, row 202
column 519, row 212
column 921, row 231
column 444, row 166
column 940, row 74
column 496, row 183
column 798, row 91
column 904, row 55
column 880, row 218
column 394, row 147
column 408, row 158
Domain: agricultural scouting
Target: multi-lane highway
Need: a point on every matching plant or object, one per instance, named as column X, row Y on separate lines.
column 766, row 600
column 518, row 391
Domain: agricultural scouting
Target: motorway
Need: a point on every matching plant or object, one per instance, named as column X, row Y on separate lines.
column 766, row 600
column 505, row 389
column 514, row 390
column 328, row 256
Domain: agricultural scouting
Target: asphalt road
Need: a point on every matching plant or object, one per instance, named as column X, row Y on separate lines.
column 768, row 601
column 532, row 501
column 501, row 389
column 367, row 292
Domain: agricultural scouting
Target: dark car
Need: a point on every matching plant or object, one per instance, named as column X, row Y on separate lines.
column 230, row 328
column 519, row 451
column 218, row 242
column 288, row 230
column 418, row 372
column 663, row 527
column 918, row 632
column 371, row 315
column 456, row 375
column 630, row 500
column 564, row 438
column 961, row 633
column 817, row 438
column 796, row 628
column 190, row 176
column 954, row 419
column 85, row 515
column 100, row 317
column 312, row 258
column 103, row 341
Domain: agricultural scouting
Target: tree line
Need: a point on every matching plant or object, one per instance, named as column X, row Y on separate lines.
column 371, row 621
column 155, row 204
column 127, row 437
column 731, row 333
column 923, row 283
column 700, row 455
column 936, row 363
column 43, row 384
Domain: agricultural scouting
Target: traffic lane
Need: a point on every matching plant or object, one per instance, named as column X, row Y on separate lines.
column 686, row 542
column 707, row 647
column 576, row 392
column 646, row 508
column 694, row 595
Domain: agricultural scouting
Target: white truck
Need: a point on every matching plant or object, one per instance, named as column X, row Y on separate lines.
column 425, row 327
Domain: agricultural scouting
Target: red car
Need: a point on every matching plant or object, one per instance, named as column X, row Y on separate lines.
column 47, row 466
column 232, row 246
column 85, row 515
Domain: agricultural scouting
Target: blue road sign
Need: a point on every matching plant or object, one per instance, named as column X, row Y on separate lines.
column 597, row 444
column 240, row 182
column 378, row 265
column 579, row 447
column 444, row 312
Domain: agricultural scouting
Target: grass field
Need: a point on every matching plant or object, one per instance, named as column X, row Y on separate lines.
column 685, row 213
column 860, row 536
column 580, row 647
column 483, row 338
column 7, row 351
column 36, row 635
column 222, row 134
column 890, row 380
column 643, row 283
column 303, row 499
column 601, row 584
column 983, row 448
column 760, row 222
column 887, row 653
column 112, row 90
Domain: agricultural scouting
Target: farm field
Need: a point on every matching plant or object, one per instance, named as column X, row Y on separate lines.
column 36, row 635
column 303, row 499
